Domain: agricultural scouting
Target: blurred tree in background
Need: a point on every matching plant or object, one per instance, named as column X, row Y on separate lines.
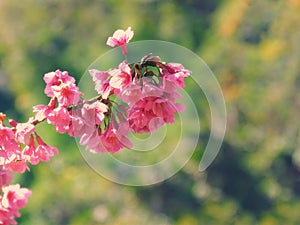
column 253, row 49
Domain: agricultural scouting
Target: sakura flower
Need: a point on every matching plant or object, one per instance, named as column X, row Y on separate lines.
column 42, row 111
column 150, row 113
column 101, row 80
column 75, row 128
column 14, row 198
column 5, row 177
column 132, row 92
column 16, row 164
column 6, row 216
column 6, row 135
column 44, row 151
column 174, row 74
column 140, row 89
column 56, row 79
column 67, row 94
column 91, row 139
column 114, row 139
column 8, row 145
column 29, row 152
column 93, row 114
column 61, row 118
column 121, row 77
column 120, row 38
column 77, row 125
column 23, row 131
column 150, row 88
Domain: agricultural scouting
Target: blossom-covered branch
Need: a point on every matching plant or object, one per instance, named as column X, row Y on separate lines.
column 134, row 97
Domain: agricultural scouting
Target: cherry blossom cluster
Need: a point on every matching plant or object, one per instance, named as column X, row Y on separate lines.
column 12, row 199
column 134, row 97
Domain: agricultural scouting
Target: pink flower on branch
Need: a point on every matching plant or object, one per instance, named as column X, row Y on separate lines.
column 111, row 141
column 150, row 113
column 101, row 80
column 115, row 140
column 139, row 89
column 66, row 94
column 23, row 131
column 16, row 164
column 42, row 111
column 14, row 197
column 44, row 151
column 60, row 117
column 121, row 77
column 174, row 74
column 120, row 38
column 110, row 138
column 29, row 152
column 8, row 145
column 94, row 113
column 5, row 177
column 148, row 88
column 56, row 78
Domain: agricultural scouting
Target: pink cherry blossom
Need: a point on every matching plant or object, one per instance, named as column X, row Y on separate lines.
column 6, row 216
column 8, row 145
column 29, row 152
column 87, row 118
column 16, row 164
column 14, row 197
column 6, row 135
column 23, row 131
column 56, row 78
column 77, row 125
column 121, row 77
column 120, row 38
column 10, row 151
column 174, row 73
column 114, row 139
column 150, row 113
column 150, row 92
column 93, row 114
column 91, row 140
column 101, row 80
column 5, row 177
column 67, row 94
column 42, row 111
column 44, row 151
column 61, row 118
column 132, row 93
column 140, row 89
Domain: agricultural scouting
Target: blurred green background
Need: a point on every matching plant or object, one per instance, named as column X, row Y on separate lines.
column 253, row 48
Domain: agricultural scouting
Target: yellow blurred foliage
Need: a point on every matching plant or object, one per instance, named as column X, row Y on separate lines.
column 294, row 3
column 23, row 101
column 230, row 87
column 232, row 16
column 187, row 220
column 270, row 49
column 269, row 220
